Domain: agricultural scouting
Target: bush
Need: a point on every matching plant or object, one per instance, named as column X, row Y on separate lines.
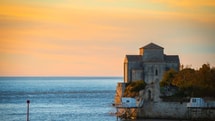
column 133, row 88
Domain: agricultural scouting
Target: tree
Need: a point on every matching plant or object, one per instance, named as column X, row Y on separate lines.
column 184, row 78
column 206, row 80
column 168, row 78
column 196, row 82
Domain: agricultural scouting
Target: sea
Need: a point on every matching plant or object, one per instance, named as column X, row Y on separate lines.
column 58, row 98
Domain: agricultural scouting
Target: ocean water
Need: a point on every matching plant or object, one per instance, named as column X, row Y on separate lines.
column 57, row 98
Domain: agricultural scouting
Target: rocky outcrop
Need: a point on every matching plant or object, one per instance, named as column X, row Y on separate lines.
column 120, row 88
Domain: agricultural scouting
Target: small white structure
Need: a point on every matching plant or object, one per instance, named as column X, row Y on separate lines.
column 131, row 102
column 128, row 107
column 196, row 102
column 128, row 102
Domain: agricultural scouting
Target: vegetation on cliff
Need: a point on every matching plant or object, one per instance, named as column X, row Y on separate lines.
column 191, row 82
column 133, row 88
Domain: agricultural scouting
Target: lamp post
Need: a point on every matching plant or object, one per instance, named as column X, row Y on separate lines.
column 28, row 102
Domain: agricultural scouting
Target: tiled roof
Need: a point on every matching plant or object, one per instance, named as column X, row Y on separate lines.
column 171, row 58
column 152, row 46
column 134, row 57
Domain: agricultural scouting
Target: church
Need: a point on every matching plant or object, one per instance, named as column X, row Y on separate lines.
column 149, row 65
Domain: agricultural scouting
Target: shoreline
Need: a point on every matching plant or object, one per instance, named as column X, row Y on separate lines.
column 155, row 119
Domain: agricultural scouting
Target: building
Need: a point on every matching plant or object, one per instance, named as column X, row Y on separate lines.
column 149, row 65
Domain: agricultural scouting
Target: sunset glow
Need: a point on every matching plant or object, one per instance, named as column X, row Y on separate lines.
column 92, row 37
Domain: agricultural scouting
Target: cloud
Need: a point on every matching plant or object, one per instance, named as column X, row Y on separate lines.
column 63, row 37
column 187, row 3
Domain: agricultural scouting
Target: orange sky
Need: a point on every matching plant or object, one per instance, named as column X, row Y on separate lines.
column 91, row 37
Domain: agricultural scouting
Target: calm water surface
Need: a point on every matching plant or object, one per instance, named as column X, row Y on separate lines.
column 57, row 99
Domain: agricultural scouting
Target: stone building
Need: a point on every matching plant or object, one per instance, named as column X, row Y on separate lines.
column 149, row 65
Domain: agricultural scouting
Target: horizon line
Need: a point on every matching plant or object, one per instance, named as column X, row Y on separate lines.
column 60, row 76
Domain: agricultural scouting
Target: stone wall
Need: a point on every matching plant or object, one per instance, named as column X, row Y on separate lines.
column 137, row 75
column 153, row 71
column 153, row 55
column 163, row 110
column 151, row 92
column 128, row 70
column 173, row 110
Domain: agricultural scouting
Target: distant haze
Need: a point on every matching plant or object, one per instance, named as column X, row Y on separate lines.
column 92, row 37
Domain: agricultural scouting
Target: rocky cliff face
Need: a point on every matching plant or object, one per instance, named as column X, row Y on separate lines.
column 120, row 88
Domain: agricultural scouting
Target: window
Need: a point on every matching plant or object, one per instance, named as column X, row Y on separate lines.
column 149, row 95
column 194, row 100
column 156, row 72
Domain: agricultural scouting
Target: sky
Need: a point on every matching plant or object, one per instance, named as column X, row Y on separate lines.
column 92, row 37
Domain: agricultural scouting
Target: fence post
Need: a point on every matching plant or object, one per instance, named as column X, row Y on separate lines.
column 28, row 102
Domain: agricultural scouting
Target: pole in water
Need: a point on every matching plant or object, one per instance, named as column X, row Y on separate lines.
column 28, row 102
